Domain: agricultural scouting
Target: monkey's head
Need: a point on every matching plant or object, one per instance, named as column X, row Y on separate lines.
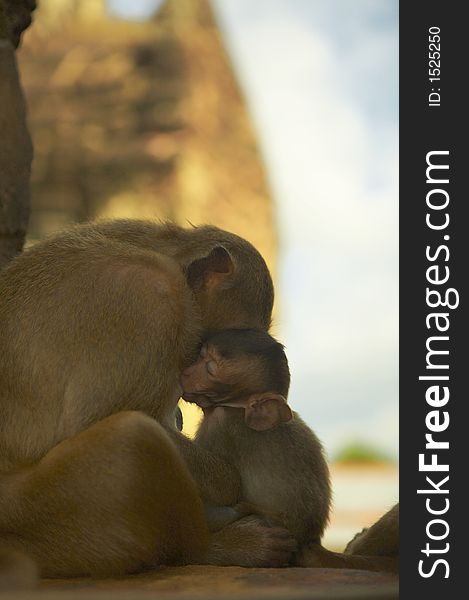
column 241, row 368
column 230, row 280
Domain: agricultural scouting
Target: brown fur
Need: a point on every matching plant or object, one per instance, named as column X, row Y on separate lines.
column 240, row 374
column 283, row 471
column 99, row 320
column 284, row 475
column 121, row 505
column 373, row 549
column 381, row 539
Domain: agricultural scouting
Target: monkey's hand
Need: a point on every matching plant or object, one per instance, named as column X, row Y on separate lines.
column 250, row 543
column 270, row 518
column 221, row 516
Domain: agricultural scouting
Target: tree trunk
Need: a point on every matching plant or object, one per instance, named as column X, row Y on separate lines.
column 15, row 142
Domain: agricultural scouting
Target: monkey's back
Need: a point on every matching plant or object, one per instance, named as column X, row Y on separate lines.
column 284, row 471
column 82, row 319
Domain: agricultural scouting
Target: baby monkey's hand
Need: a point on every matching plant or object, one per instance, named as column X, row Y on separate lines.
column 271, row 518
column 249, row 542
column 221, row 516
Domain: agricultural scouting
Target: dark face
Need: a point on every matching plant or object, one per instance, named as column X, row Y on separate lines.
column 238, row 381
column 214, row 379
column 234, row 364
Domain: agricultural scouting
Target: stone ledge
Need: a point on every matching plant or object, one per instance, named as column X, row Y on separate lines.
column 230, row 583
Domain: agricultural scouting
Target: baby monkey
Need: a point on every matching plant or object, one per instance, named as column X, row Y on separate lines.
column 241, row 381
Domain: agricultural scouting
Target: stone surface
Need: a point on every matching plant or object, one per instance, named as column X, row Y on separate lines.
column 225, row 582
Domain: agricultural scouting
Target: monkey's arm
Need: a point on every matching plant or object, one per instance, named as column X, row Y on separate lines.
column 219, row 517
column 218, row 481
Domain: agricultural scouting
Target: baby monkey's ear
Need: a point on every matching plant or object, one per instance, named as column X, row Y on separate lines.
column 266, row 411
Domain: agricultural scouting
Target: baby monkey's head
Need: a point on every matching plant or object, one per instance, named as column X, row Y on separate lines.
column 242, row 368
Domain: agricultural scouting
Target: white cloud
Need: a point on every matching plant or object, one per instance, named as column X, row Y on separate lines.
column 320, row 98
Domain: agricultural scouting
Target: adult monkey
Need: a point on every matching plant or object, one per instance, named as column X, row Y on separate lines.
column 97, row 323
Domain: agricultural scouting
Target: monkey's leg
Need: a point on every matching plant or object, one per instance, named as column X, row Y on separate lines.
column 381, row 539
column 115, row 498
column 315, row 555
column 242, row 541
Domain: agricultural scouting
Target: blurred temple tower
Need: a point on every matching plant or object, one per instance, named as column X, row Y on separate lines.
column 140, row 119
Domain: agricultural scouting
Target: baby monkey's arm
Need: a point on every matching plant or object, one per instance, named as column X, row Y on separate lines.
column 221, row 516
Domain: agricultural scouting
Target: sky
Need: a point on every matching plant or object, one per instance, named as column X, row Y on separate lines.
column 321, row 81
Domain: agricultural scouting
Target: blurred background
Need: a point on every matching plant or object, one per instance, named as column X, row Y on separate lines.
column 277, row 120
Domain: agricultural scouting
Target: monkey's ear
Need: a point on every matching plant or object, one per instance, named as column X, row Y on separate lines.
column 267, row 411
column 211, row 270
